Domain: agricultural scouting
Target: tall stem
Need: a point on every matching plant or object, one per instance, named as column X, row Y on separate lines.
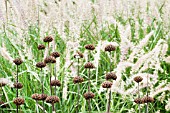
column 50, row 80
column 53, row 109
column 147, row 95
column 78, row 86
column 17, row 88
column 42, row 81
column 138, row 98
column 55, row 89
column 89, row 90
column 6, row 10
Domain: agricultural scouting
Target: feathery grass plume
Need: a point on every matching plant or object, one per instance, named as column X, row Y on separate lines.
column 109, row 76
column 77, row 80
column 52, row 100
column 138, row 79
column 89, row 66
column 18, row 101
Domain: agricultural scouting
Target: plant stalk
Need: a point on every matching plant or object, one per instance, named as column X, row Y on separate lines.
column 78, row 86
column 138, row 98
column 147, row 95
column 17, row 88
column 42, row 81
column 89, row 91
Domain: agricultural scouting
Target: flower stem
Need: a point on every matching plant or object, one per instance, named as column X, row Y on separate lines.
column 78, row 86
column 89, row 90
column 138, row 98
column 17, row 88
column 147, row 95
column 42, row 81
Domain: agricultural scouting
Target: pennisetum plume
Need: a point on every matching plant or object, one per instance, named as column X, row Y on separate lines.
column 89, row 95
column 109, row 76
column 18, row 101
column 78, row 79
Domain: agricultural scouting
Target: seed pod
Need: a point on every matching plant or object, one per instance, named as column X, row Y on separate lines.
column 138, row 101
column 78, row 55
column 110, row 48
column 36, row 96
column 17, row 61
column 18, row 85
column 78, row 79
column 89, row 47
column 40, row 64
column 52, row 99
column 138, row 79
column 111, row 76
column 18, row 101
column 107, row 84
column 2, row 84
column 48, row 39
column 49, row 59
column 88, row 95
column 43, row 96
column 89, row 65
column 55, row 54
column 41, row 47
column 55, row 83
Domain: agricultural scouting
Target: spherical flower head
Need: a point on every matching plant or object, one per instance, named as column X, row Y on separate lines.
column 88, row 95
column 89, row 65
column 55, row 54
column 19, row 101
column 41, row 47
column 17, row 61
column 55, row 83
column 78, row 79
column 138, row 101
column 43, row 96
column 147, row 99
column 110, row 76
column 138, row 79
column 110, row 48
column 89, row 47
column 18, row 85
column 50, row 59
column 52, row 99
column 36, row 96
column 107, row 84
column 40, row 64
column 48, row 39
column 78, row 55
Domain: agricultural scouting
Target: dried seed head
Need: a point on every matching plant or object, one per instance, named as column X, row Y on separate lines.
column 107, row 84
column 49, row 59
column 52, row 99
column 89, row 65
column 36, row 96
column 43, row 96
column 2, row 104
column 78, row 79
column 40, row 64
column 78, row 55
column 147, row 99
column 18, row 101
column 88, row 95
column 41, row 47
column 111, row 76
column 2, row 84
column 138, row 101
column 48, row 39
column 18, row 61
column 138, row 79
column 55, row 83
column 55, row 54
column 89, row 47
column 18, row 85
column 110, row 48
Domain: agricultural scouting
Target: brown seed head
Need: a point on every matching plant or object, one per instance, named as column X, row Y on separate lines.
column 110, row 48
column 147, row 99
column 18, row 85
column 107, row 84
column 48, row 39
column 2, row 84
column 43, row 96
column 17, row 61
column 2, row 104
column 18, row 101
column 78, row 55
column 78, row 79
column 50, row 59
column 52, row 99
column 89, row 65
column 138, row 79
column 111, row 76
column 36, row 96
column 55, row 83
column 138, row 101
column 55, row 54
column 89, row 47
column 40, row 64
column 88, row 95
column 41, row 47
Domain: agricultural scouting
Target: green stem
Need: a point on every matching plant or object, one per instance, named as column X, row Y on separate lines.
column 138, row 98
column 78, row 86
